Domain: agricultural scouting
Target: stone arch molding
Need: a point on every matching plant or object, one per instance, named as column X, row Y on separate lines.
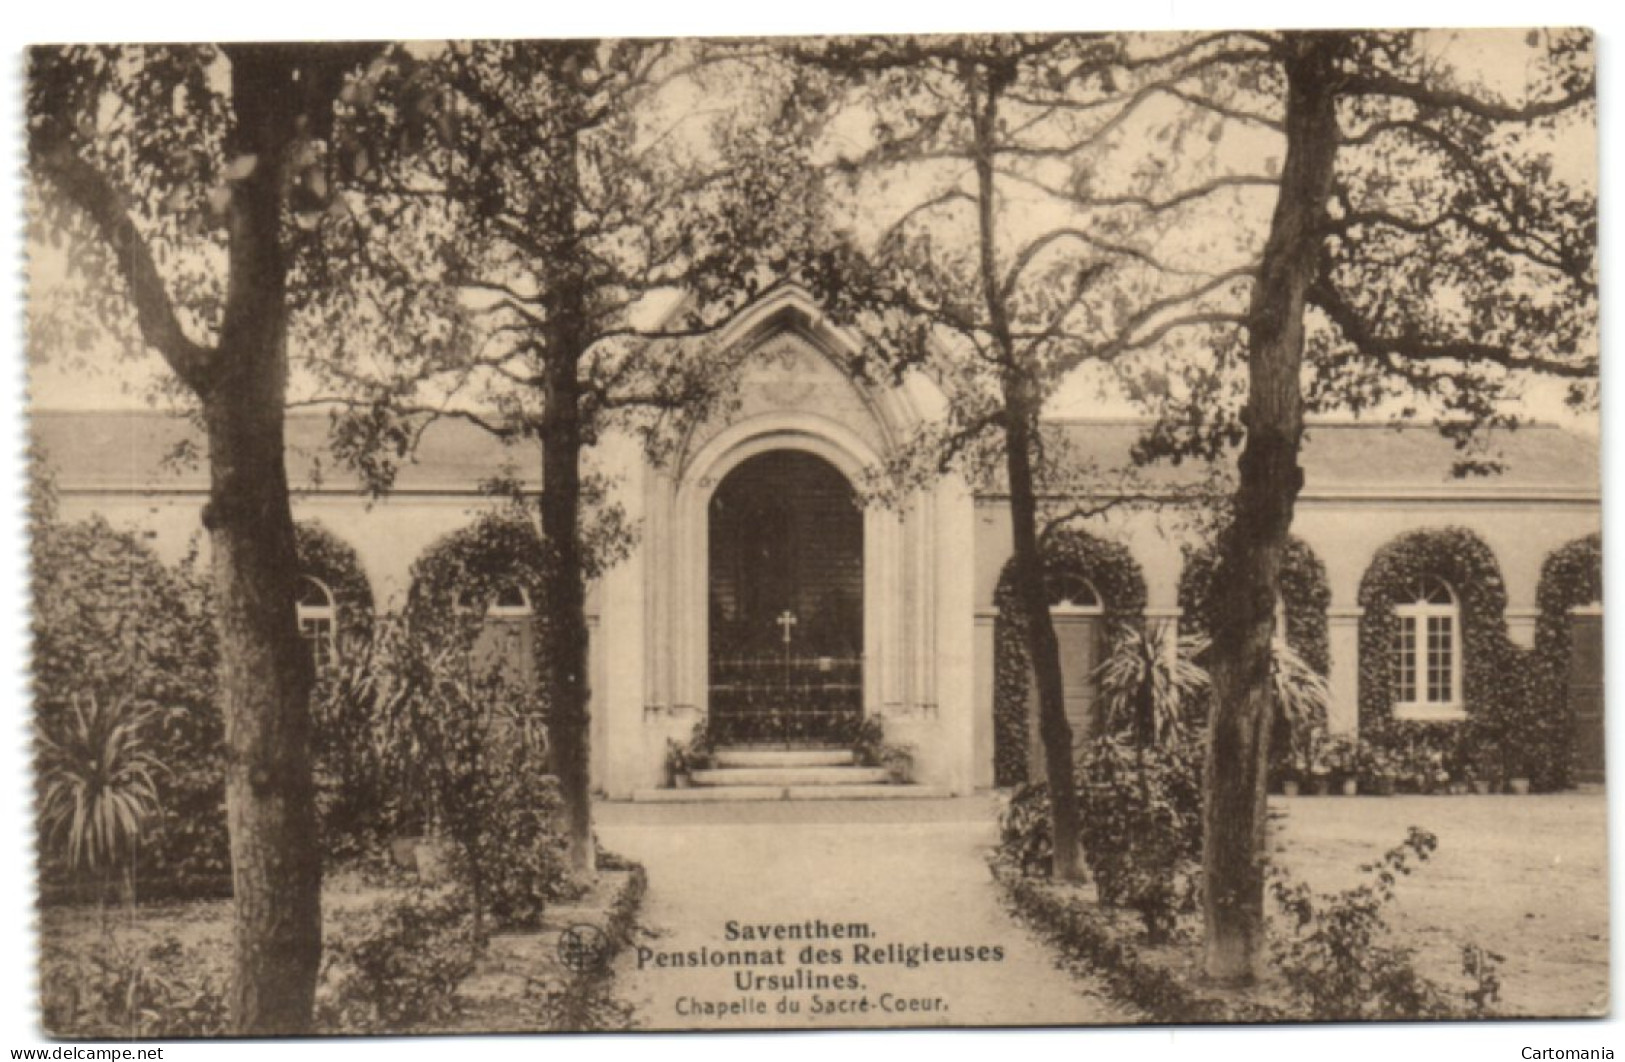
column 796, row 394
column 797, row 361
column 851, row 455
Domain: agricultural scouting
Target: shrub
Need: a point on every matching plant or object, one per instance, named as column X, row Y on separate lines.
column 1338, row 963
column 1141, row 812
column 97, row 781
column 1143, row 693
column 118, row 991
column 470, row 746
column 362, row 794
column 1025, row 838
column 111, row 621
column 397, row 965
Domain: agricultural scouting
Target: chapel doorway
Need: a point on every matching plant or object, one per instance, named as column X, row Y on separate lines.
column 786, row 603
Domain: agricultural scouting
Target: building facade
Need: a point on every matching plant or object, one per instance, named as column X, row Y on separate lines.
column 756, row 569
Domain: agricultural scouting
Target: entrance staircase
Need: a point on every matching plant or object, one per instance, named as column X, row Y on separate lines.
column 755, row 774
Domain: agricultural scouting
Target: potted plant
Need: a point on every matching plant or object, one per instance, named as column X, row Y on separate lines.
column 1518, row 774
column 1320, row 764
column 1289, row 772
column 869, row 742
column 1487, row 775
column 700, row 751
column 1341, row 755
column 898, row 760
column 677, row 765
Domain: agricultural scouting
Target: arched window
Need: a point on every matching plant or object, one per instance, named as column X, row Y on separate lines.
column 1072, row 594
column 317, row 620
column 1427, row 653
column 511, row 601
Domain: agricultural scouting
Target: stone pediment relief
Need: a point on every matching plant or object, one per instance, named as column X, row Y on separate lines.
column 788, row 373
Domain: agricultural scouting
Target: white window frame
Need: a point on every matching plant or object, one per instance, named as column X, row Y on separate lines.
column 496, row 611
column 519, row 611
column 1067, row 606
column 1416, row 614
column 319, row 622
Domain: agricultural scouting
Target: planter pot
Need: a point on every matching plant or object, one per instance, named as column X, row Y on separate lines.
column 1289, row 787
column 1482, row 786
column 1458, row 788
column 1320, row 786
column 1383, row 786
column 1351, row 786
column 681, row 780
column 1519, row 786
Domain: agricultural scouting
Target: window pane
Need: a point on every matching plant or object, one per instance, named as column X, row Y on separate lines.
column 318, row 635
column 1441, row 659
column 1405, row 661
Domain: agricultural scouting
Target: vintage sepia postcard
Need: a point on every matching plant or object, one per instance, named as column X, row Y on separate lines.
column 803, row 533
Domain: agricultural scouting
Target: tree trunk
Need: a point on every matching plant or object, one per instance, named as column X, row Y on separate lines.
column 1247, row 582
column 1043, row 649
column 1022, row 403
column 564, row 628
column 265, row 670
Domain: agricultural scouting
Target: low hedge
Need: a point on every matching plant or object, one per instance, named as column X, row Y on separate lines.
column 1086, row 934
column 587, row 1002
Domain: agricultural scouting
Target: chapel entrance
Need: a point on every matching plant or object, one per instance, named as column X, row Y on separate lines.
column 786, row 603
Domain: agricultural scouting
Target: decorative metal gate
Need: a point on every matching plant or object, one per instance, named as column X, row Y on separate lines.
column 786, row 700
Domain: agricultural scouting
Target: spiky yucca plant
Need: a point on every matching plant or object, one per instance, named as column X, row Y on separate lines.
column 1302, row 696
column 1147, row 691
column 97, row 787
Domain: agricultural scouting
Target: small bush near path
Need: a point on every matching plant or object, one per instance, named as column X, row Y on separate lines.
column 397, row 959
column 1383, row 943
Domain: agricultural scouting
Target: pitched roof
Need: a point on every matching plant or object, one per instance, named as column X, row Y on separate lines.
column 123, row 451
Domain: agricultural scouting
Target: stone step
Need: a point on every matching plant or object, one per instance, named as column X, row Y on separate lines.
column 787, row 776
column 744, row 794
column 745, row 757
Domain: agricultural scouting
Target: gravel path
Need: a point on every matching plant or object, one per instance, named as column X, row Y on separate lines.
column 894, row 878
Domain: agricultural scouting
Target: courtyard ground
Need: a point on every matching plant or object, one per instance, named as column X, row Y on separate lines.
column 1526, row 877
column 1523, row 876
column 912, row 873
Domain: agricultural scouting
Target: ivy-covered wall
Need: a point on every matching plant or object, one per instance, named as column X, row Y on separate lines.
column 334, row 563
column 1509, row 694
column 472, row 565
column 1460, row 558
column 1305, row 595
column 1571, row 576
column 1116, row 577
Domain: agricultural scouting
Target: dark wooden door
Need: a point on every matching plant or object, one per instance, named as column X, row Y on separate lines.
column 1585, row 696
column 1079, row 639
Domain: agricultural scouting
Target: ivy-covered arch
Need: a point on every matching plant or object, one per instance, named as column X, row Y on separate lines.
column 1116, row 576
column 476, row 564
column 1305, row 597
column 1460, row 558
column 331, row 561
column 1570, row 576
